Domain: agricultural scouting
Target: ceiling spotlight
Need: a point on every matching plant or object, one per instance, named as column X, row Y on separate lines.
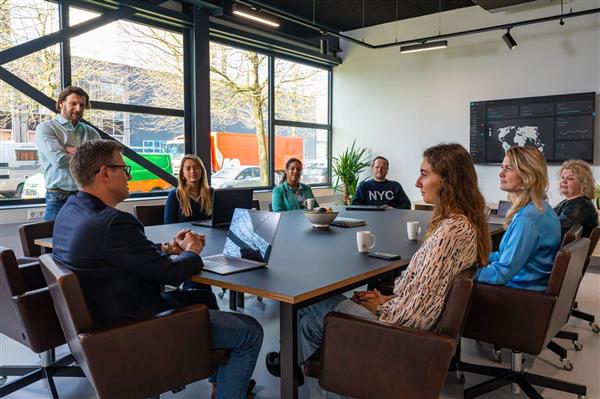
column 413, row 48
column 508, row 39
column 255, row 18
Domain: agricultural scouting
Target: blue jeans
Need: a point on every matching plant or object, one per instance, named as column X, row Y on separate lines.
column 242, row 336
column 54, row 201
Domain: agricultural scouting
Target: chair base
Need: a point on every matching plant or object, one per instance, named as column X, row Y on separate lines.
column 587, row 317
column 31, row 374
column 523, row 380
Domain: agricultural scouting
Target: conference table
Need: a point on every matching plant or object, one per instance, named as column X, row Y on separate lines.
column 309, row 264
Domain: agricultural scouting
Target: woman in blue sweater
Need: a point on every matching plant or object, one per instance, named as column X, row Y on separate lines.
column 192, row 199
column 532, row 235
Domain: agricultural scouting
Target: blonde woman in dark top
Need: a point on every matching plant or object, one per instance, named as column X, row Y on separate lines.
column 577, row 185
column 192, row 199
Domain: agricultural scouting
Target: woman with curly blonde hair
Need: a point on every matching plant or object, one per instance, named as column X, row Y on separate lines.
column 577, row 185
column 532, row 236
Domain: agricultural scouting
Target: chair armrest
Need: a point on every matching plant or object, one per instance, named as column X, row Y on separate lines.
column 170, row 348
column 40, row 323
column 504, row 316
column 32, row 275
column 360, row 356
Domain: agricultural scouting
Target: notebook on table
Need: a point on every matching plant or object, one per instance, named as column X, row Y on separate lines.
column 365, row 208
column 224, row 202
column 248, row 243
column 348, row 222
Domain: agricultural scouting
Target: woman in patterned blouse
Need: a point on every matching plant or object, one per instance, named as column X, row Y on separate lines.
column 457, row 238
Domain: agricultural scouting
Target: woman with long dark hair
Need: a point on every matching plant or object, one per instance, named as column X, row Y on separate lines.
column 456, row 239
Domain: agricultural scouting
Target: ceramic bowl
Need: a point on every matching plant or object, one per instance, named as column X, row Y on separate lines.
column 320, row 219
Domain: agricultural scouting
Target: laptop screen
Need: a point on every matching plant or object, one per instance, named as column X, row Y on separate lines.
column 503, row 207
column 251, row 234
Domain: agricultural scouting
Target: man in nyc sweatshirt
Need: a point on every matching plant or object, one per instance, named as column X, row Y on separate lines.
column 380, row 191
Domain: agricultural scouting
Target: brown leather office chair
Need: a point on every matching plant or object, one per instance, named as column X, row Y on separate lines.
column 29, row 232
column 576, row 312
column 150, row 215
column 28, row 317
column 525, row 321
column 573, row 234
column 369, row 359
column 139, row 359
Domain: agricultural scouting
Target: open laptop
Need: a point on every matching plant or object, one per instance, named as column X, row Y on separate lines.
column 224, row 202
column 498, row 218
column 248, row 243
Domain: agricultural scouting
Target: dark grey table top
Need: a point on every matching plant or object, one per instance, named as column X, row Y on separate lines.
column 306, row 262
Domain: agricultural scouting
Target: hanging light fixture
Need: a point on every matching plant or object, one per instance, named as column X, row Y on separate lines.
column 508, row 39
column 425, row 46
column 254, row 17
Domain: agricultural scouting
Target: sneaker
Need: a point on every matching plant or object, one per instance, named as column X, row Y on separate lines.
column 274, row 367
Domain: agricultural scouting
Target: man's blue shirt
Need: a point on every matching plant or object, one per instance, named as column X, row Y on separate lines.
column 51, row 137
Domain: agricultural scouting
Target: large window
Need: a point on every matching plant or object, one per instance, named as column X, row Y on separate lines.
column 239, row 120
column 302, row 118
column 241, row 130
column 134, row 74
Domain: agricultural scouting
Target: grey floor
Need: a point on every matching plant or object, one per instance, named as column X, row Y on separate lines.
column 586, row 363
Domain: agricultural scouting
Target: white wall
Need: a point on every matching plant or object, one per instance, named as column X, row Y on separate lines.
column 399, row 104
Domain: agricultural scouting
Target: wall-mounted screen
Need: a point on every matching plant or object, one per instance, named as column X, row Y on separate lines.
column 561, row 127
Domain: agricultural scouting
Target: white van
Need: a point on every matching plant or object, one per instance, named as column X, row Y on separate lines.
column 18, row 161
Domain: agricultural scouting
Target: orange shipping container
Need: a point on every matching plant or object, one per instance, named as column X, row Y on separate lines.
column 243, row 146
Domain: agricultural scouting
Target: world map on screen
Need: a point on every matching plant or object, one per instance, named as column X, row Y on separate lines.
column 509, row 136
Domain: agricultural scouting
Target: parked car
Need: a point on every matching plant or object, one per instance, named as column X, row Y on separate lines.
column 236, row 176
column 314, row 175
column 18, row 161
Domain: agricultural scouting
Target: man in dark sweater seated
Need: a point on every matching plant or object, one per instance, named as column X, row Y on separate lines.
column 121, row 271
column 380, row 191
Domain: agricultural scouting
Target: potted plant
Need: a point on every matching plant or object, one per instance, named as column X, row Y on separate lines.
column 598, row 196
column 346, row 170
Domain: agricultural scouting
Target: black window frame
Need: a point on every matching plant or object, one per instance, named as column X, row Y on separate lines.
column 197, row 31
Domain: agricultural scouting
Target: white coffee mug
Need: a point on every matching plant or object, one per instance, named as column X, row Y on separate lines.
column 363, row 240
column 309, row 203
column 413, row 229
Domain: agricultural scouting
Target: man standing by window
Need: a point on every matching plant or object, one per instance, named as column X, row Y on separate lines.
column 379, row 191
column 57, row 140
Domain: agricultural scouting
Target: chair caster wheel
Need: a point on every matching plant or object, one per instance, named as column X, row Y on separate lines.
column 497, row 356
column 178, row 389
column 595, row 328
column 221, row 295
column 259, row 298
column 460, row 376
column 3, row 379
column 577, row 345
column 567, row 365
column 581, row 397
